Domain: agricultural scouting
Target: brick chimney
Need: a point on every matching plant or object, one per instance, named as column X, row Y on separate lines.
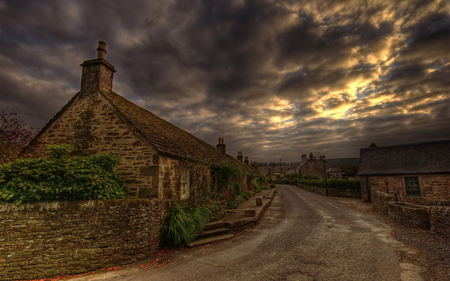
column 311, row 156
column 97, row 74
column 246, row 160
column 239, row 157
column 303, row 157
column 221, row 146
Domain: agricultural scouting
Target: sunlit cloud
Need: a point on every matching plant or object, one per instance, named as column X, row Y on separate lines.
column 275, row 79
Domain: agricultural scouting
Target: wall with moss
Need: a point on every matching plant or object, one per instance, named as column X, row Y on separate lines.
column 48, row 239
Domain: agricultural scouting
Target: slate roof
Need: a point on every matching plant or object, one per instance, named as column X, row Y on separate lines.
column 343, row 161
column 416, row 158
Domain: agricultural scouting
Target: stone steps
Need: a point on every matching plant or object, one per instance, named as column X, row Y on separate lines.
column 209, row 240
column 213, row 232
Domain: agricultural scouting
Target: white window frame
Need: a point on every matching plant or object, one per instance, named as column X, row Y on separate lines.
column 185, row 182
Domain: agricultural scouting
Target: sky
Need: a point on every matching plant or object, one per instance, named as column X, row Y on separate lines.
column 275, row 79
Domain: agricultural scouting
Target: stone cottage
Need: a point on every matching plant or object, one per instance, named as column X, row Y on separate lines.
column 419, row 173
column 314, row 167
column 98, row 120
column 342, row 168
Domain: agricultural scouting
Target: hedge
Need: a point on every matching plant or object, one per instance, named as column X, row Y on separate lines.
column 336, row 184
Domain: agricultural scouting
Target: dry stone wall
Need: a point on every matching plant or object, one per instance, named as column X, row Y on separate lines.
column 349, row 193
column 93, row 127
column 440, row 220
column 42, row 240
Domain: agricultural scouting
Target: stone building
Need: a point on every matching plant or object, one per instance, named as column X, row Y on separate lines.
column 419, row 173
column 313, row 167
column 342, row 168
column 153, row 151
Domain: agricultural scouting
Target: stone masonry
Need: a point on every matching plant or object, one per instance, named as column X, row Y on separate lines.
column 64, row 238
column 92, row 127
column 434, row 187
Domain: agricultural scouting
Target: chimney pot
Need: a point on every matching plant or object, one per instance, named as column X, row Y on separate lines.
column 221, row 146
column 310, row 155
column 101, row 50
column 239, row 157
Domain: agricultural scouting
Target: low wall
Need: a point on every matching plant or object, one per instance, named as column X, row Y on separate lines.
column 410, row 214
column 380, row 201
column 349, row 193
column 50, row 239
column 439, row 216
column 440, row 220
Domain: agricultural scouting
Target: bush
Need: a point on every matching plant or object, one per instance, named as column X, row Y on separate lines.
column 61, row 177
column 272, row 185
column 312, row 182
column 217, row 210
column 181, row 227
column 255, row 185
column 263, row 179
column 344, row 184
column 290, row 177
column 310, row 177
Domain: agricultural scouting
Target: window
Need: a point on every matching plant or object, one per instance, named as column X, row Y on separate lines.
column 412, row 186
column 184, row 189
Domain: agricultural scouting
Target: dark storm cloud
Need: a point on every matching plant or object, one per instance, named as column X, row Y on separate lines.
column 276, row 79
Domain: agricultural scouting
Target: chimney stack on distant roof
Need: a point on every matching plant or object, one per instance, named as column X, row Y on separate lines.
column 310, row 155
column 239, row 157
column 101, row 50
column 221, row 146
column 246, row 160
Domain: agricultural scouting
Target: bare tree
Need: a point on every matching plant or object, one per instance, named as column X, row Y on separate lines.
column 15, row 134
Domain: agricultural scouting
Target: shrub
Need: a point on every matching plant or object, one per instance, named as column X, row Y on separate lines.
column 263, row 179
column 217, row 210
column 272, row 185
column 181, row 227
column 312, row 182
column 310, row 177
column 255, row 185
column 290, row 177
column 61, row 177
column 344, row 184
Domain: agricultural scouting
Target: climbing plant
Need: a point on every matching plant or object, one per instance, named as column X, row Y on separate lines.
column 60, row 177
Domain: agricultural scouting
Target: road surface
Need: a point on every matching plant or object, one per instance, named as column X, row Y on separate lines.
column 303, row 236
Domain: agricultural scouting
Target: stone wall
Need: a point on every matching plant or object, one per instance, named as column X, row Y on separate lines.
column 440, row 220
column 349, row 193
column 438, row 216
column 410, row 214
column 313, row 167
column 92, row 127
column 380, row 201
column 434, row 187
column 50, row 239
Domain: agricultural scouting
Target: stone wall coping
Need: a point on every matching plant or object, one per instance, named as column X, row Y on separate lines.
column 76, row 205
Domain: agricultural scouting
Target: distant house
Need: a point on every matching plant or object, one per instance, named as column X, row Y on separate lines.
column 154, row 152
column 420, row 172
column 343, row 168
column 314, row 167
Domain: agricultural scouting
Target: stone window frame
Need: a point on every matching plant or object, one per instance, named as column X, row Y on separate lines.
column 184, row 184
column 412, row 186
